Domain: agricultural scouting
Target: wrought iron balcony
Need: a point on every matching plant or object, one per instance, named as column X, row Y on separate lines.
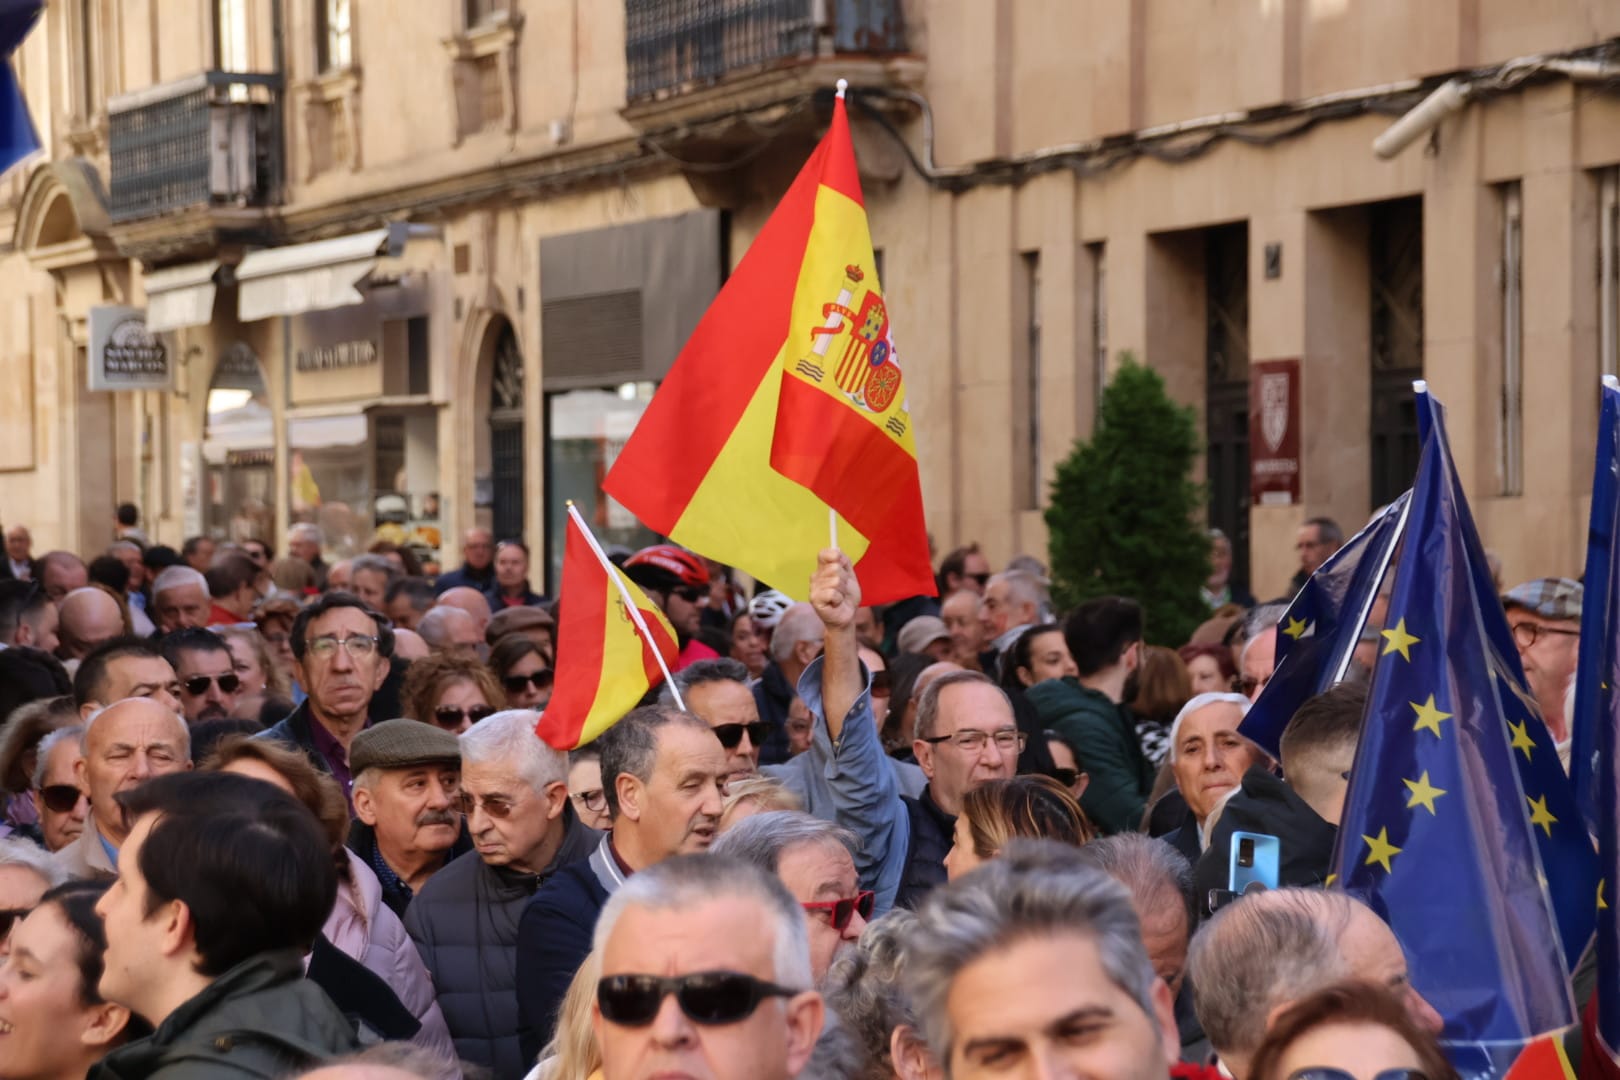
column 675, row 46
column 210, row 141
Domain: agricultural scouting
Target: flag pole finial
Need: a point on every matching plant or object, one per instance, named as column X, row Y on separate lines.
column 843, row 84
column 1420, row 386
column 1612, row 381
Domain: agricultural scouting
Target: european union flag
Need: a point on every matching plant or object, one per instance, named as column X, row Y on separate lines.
column 1320, row 629
column 17, row 139
column 1595, row 756
column 1440, row 830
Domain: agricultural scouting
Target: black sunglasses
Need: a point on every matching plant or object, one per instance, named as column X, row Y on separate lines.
column 691, row 595
column 1067, row 777
column 1321, row 1072
column 706, row 997
column 449, row 716
column 982, row 579
column 60, row 798
column 844, row 909
column 730, row 735
column 229, row 683
column 540, row 680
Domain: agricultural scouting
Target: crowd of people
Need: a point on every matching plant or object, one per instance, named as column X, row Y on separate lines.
column 268, row 816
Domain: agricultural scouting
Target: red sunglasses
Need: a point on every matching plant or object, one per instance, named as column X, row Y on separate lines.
column 843, row 910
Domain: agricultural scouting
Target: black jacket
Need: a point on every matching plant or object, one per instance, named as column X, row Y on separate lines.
column 261, row 1018
column 395, row 893
column 774, row 695
column 554, row 938
column 1264, row 804
column 296, row 731
column 932, row 833
column 482, row 580
column 465, row 924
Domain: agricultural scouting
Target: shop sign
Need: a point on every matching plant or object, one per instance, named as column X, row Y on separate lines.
column 124, row 355
column 260, row 457
column 1274, row 440
column 337, row 357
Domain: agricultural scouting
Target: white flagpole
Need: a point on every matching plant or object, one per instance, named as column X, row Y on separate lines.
column 832, row 525
column 629, row 601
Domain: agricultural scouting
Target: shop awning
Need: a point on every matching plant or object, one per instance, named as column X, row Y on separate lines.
column 313, row 277
column 181, row 296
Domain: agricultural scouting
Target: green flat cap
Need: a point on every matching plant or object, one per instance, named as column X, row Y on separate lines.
column 399, row 744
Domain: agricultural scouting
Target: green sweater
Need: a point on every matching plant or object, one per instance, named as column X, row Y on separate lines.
column 1103, row 740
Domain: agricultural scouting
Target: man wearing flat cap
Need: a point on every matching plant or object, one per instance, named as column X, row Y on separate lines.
column 534, row 623
column 1545, row 615
column 407, row 785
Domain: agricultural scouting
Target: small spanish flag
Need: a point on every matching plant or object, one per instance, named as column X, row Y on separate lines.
column 613, row 644
column 788, row 402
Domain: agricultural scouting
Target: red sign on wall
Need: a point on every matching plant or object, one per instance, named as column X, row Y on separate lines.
column 1274, row 432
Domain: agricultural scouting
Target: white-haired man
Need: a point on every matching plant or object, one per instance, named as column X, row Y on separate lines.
column 1208, row 759
column 304, row 542
column 180, row 599
column 796, row 641
column 514, row 793
column 682, row 993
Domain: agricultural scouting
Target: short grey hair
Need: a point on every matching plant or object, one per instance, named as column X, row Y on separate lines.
column 1260, row 951
column 865, row 985
column 1037, row 888
column 723, row 669
column 928, row 704
column 1204, row 701
column 178, row 577
column 799, row 623
column 124, row 545
column 47, row 744
column 15, row 851
column 377, row 564
column 685, row 881
column 1158, row 877
column 1022, row 587
column 631, row 746
column 762, row 839
column 508, row 738
column 308, row 530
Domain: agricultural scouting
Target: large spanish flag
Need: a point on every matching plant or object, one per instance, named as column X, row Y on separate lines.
column 604, row 663
column 788, row 402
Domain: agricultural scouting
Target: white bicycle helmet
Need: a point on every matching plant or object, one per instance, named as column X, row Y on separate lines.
column 767, row 608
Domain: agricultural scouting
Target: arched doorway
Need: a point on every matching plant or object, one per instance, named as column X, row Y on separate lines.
column 506, row 434
column 239, row 452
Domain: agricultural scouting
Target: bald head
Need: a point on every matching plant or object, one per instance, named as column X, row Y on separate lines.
column 470, row 601
column 126, row 744
column 408, row 644
column 88, row 617
column 447, row 629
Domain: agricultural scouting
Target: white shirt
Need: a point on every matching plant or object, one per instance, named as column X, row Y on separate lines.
column 22, row 571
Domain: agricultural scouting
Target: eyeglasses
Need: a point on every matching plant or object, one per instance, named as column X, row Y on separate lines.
column 198, row 684
column 540, row 680
column 1067, row 777
column 1248, row 684
column 844, row 910
column 275, row 639
column 9, row 916
column 972, row 742
column 496, row 806
column 880, row 684
column 1526, row 634
column 730, row 735
column 594, row 801
column 60, row 798
column 450, row 716
column 706, row 997
column 359, row 646
column 982, row 579
column 1322, row 1072
column 691, row 595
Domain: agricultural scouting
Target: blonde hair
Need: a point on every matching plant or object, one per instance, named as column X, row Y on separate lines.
column 572, row 1053
column 759, row 795
column 275, row 680
column 1023, row 808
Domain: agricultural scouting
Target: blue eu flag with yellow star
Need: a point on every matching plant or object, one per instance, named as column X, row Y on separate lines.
column 1451, row 812
column 17, row 139
column 1320, row 629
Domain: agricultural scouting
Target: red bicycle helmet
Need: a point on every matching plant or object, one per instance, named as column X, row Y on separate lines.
column 685, row 566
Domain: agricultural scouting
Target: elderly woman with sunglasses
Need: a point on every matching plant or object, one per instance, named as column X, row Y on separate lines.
column 1354, row 1031
column 450, row 690
column 524, row 671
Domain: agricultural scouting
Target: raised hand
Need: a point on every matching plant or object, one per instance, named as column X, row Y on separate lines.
column 834, row 592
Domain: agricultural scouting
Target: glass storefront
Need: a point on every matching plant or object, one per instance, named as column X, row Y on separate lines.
column 585, row 430
column 366, row 477
column 239, row 454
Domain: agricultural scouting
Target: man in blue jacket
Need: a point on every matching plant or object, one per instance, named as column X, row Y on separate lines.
column 661, row 775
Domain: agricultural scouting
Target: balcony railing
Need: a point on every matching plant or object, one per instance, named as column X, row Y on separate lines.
column 674, row 45
column 211, row 140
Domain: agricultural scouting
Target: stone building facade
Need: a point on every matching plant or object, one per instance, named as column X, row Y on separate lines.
column 418, row 264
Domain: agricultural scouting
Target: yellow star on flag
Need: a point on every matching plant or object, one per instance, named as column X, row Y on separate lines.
column 1296, row 628
column 1381, row 851
column 1540, row 815
column 1428, row 716
column 1423, row 793
column 1603, row 905
column 1398, row 640
column 1521, row 737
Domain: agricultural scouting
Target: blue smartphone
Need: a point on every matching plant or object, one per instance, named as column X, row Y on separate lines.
column 1255, row 858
